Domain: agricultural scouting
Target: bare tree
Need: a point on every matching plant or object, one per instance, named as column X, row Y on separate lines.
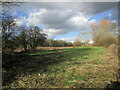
column 36, row 37
column 104, row 33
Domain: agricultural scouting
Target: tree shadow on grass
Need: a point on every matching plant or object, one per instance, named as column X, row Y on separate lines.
column 113, row 85
column 17, row 64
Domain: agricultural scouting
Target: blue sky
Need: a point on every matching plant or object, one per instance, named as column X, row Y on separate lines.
column 63, row 21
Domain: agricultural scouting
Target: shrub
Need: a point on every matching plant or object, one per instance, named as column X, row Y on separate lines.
column 104, row 33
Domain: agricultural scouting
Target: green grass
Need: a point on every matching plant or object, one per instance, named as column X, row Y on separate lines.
column 80, row 67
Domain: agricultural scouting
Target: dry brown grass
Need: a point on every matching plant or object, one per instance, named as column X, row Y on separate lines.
column 113, row 49
column 111, row 58
column 52, row 48
column 42, row 48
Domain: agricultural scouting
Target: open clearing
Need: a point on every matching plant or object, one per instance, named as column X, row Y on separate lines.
column 79, row 67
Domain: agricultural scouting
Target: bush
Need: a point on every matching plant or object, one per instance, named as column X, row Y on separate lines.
column 102, row 38
column 104, row 33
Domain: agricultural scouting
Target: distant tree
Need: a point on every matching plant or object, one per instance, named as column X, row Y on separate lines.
column 69, row 44
column 77, row 43
column 50, row 42
column 61, row 43
column 57, row 43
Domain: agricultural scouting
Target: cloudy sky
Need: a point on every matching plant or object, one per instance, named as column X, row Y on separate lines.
column 65, row 20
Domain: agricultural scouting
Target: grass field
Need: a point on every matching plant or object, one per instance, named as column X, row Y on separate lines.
column 79, row 67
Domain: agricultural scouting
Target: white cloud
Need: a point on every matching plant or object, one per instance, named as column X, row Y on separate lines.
column 78, row 20
column 61, row 18
column 20, row 20
column 69, row 39
column 72, row 41
column 52, row 32
column 110, row 14
column 55, row 22
column 34, row 18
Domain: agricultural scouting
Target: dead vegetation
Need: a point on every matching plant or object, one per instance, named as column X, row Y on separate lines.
column 42, row 48
column 113, row 49
column 112, row 56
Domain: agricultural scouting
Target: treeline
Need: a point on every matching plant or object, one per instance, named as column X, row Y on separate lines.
column 62, row 43
column 57, row 43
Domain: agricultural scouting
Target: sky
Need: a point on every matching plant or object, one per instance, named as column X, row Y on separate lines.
column 67, row 21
